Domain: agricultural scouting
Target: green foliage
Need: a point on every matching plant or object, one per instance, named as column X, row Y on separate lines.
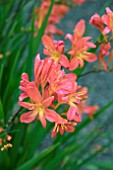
column 66, row 152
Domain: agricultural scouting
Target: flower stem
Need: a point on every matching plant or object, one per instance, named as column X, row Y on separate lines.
column 58, row 105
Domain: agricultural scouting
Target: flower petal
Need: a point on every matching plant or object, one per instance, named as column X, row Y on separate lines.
column 73, row 64
column 71, row 112
column 47, row 102
column 106, row 30
column 22, row 96
column 48, row 42
column 108, row 10
column 80, row 28
column 42, row 119
column 105, row 19
column 70, row 128
column 77, row 118
column 54, row 132
column 90, row 57
column 28, row 117
column 33, row 92
column 69, row 36
column 64, row 61
column 61, row 131
column 52, row 116
column 27, row 105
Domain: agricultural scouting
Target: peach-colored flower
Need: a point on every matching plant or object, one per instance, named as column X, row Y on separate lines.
column 61, row 83
column 97, row 21
column 79, row 54
column 55, row 50
column 87, row 109
column 78, row 32
column 80, row 46
column 42, row 70
column 78, row 117
column 61, row 126
column 57, row 13
column 104, row 51
column 38, row 107
column 90, row 110
column 73, row 100
column 23, row 84
column 41, row 13
column 8, row 137
column 108, row 20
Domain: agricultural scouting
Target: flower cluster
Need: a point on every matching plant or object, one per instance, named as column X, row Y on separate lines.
column 57, row 13
column 53, row 88
column 78, row 51
column 105, row 25
column 4, row 140
column 60, row 8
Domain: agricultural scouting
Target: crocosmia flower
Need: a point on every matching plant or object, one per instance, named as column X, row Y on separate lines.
column 63, row 125
column 55, row 50
column 104, row 51
column 38, row 108
column 97, row 21
column 23, row 84
column 108, row 21
column 58, row 11
column 80, row 45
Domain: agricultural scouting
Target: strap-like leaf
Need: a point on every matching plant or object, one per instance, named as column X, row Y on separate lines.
column 1, row 111
column 32, row 162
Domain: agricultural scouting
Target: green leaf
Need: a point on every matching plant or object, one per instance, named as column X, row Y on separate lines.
column 35, row 160
column 31, row 144
column 1, row 111
column 87, row 121
column 11, row 83
column 84, row 124
column 94, row 154
column 102, row 164
column 17, row 148
column 1, row 72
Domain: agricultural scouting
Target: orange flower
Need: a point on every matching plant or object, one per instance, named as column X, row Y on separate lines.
column 55, row 50
column 23, row 84
column 73, row 100
column 97, row 21
column 104, row 51
column 57, row 13
column 61, row 126
column 108, row 20
column 38, row 107
column 80, row 45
